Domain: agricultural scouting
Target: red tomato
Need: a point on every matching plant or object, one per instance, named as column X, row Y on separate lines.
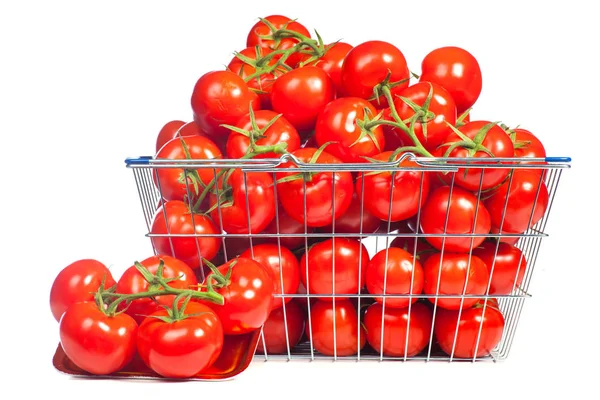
column 248, row 296
column 175, row 218
column 181, row 348
column 286, row 225
column 132, row 281
column 78, row 282
column 461, row 207
column 522, row 197
column 457, row 71
column 347, row 337
column 250, row 206
column 321, row 195
column 95, row 342
column 332, row 63
column 300, row 95
column 395, row 327
column 391, row 272
column 168, row 132
column 283, row 265
column 409, row 188
column 456, row 268
column 527, row 145
column 368, row 64
column 424, row 249
column 357, row 219
column 280, row 132
column 274, row 330
column 221, row 97
column 509, row 266
column 337, row 124
column 471, row 320
column 350, row 259
column 172, row 182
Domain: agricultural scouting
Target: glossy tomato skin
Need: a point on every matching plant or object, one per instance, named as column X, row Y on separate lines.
column 77, row 282
column 395, row 267
column 300, row 95
column 367, row 65
column 184, row 348
column 174, row 217
column 351, row 261
column 348, row 338
column 332, row 63
column 461, row 207
column 280, row 132
column 455, row 268
column 132, row 281
column 356, row 219
column 168, row 132
column 321, row 205
column 337, row 124
column 274, row 330
column 95, row 342
column 248, row 297
column 409, row 192
column 509, row 266
column 457, row 71
column 221, row 97
column 395, row 327
column 283, row 265
column 446, row 322
column 527, row 145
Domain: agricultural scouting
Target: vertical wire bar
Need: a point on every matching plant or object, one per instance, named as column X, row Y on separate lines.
column 144, row 192
column 333, row 263
column 193, row 214
column 219, row 213
column 312, row 349
column 167, row 224
column 362, row 208
column 143, row 199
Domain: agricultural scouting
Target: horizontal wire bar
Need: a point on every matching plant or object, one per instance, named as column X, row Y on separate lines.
column 357, row 235
column 402, row 296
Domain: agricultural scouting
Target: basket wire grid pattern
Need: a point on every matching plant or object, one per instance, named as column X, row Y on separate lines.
column 149, row 189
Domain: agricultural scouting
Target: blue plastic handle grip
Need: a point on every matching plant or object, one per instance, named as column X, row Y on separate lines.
column 145, row 160
column 558, row 159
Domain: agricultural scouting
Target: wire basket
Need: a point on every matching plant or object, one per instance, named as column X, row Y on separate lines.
column 510, row 304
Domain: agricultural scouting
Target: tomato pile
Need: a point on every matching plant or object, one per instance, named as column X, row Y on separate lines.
column 324, row 103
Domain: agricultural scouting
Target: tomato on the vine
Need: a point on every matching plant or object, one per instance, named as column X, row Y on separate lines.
column 527, row 145
column 168, row 132
column 508, row 262
column 274, row 330
column 332, row 62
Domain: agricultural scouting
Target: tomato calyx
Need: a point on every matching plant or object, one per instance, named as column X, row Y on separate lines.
column 177, row 312
column 189, row 175
column 307, row 176
column 472, row 145
column 222, row 280
column 262, row 65
column 512, row 133
column 460, row 121
column 366, row 128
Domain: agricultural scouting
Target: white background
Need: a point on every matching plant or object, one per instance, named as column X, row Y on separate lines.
column 84, row 85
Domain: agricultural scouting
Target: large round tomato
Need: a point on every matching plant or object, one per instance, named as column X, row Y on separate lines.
column 457, row 270
column 77, row 282
column 168, row 132
column 274, row 330
column 461, row 208
column 349, row 335
column 349, row 258
column 325, row 196
column 471, row 321
column 300, row 95
column 457, row 71
column 391, row 272
column 509, row 266
column 332, row 63
column 368, row 64
column 527, row 145
column 395, row 327
column 96, row 342
column 409, row 192
column 357, row 219
column 283, row 265
column 175, row 218
column 350, row 143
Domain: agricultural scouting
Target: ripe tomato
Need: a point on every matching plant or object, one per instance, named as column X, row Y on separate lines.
column 457, row 71
column 77, row 282
column 95, row 342
column 357, row 219
column 181, row 348
column 337, row 124
column 348, row 339
column 168, row 132
column 522, row 197
column 221, row 97
column 175, row 183
column 274, row 330
column 332, row 63
column 527, row 145
column 321, row 195
column 286, row 225
column 509, row 266
column 281, row 131
column 248, row 296
column 460, row 207
column 395, row 326
column 300, row 95
column 491, row 323
column 424, row 248
column 456, row 268
column 132, row 281
column 175, row 218
column 368, row 64
column 409, row 188
column 397, row 280
column 249, row 207
column 350, row 259
column 283, row 265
